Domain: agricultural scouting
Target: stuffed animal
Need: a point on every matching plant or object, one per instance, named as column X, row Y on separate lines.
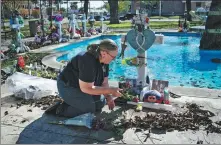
column 66, row 35
column 92, row 31
column 21, row 62
column 152, row 96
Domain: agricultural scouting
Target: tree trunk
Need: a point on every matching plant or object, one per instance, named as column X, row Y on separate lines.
column 211, row 40
column 29, row 12
column 188, row 8
column 113, row 11
column 86, row 7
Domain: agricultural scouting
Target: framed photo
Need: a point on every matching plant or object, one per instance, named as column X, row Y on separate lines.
column 159, row 85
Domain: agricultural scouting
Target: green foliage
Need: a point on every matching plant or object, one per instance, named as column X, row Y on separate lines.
column 34, row 1
column 173, row 17
column 7, row 62
column 62, row 10
column 153, row 25
column 32, row 57
column 26, row 34
column 49, row 75
column 123, row 6
column 107, row 6
column 158, row 17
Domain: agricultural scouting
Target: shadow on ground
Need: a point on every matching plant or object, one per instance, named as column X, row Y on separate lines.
column 41, row 132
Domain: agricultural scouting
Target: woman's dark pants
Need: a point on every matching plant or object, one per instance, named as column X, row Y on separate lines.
column 78, row 102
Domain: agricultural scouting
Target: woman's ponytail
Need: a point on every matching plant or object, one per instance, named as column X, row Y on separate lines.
column 105, row 45
column 94, row 49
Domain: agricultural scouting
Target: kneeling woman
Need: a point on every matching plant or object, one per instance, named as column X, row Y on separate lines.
column 85, row 79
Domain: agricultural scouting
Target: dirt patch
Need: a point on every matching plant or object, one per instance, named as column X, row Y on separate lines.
column 42, row 103
column 193, row 118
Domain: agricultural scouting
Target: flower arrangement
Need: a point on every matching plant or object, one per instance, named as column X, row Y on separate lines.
column 57, row 18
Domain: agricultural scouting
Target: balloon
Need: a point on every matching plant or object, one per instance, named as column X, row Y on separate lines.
column 11, row 21
column 124, row 62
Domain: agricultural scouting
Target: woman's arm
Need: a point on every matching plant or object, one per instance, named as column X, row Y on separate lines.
column 108, row 97
column 89, row 88
column 106, row 84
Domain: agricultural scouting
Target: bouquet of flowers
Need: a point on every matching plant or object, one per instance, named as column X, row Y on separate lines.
column 58, row 18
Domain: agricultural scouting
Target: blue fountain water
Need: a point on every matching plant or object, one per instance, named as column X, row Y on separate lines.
column 178, row 60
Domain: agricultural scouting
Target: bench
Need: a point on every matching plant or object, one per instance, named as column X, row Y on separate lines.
column 6, row 33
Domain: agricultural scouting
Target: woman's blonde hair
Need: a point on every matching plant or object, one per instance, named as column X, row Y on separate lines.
column 105, row 45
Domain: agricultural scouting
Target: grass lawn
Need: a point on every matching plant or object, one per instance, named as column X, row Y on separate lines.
column 122, row 25
column 163, row 17
column 154, row 25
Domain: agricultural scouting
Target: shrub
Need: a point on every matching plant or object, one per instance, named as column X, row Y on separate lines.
column 24, row 12
column 35, row 13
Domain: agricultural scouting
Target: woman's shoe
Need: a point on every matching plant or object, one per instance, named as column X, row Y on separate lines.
column 60, row 111
column 52, row 109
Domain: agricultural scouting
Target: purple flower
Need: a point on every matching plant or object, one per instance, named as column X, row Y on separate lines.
column 58, row 17
column 55, row 35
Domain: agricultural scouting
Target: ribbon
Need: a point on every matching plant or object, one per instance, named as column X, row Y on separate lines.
column 143, row 37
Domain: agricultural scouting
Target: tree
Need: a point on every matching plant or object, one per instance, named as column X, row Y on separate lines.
column 35, row 2
column 151, row 5
column 106, row 6
column 211, row 39
column 24, row 12
column 86, row 2
column 57, row 2
column 36, row 13
column 11, row 4
column 188, row 7
column 63, row 10
column 113, row 11
column 74, row 5
column 81, row 10
column 123, row 6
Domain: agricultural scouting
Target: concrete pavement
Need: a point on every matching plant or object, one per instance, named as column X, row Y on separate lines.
column 20, row 125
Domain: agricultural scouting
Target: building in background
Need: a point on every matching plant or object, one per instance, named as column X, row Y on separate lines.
column 169, row 8
column 195, row 4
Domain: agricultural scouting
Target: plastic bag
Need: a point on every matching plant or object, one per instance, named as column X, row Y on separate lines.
column 82, row 120
column 30, row 87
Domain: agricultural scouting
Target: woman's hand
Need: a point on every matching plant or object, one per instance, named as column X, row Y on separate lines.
column 110, row 102
column 116, row 92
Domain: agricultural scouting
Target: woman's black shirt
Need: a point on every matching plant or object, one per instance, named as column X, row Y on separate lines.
column 87, row 68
